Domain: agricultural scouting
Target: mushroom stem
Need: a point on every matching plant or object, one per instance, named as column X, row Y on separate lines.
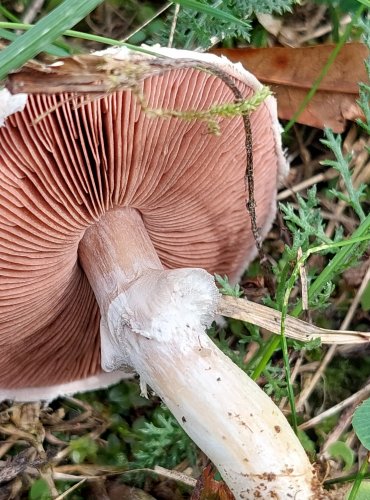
column 154, row 320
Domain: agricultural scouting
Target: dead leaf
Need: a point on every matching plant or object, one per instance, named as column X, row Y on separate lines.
column 85, row 73
column 291, row 72
column 208, row 488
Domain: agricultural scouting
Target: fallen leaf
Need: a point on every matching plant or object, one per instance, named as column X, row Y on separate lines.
column 291, row 72
column 207, row 488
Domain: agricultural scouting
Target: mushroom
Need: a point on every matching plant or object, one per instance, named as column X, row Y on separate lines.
column 112, row 223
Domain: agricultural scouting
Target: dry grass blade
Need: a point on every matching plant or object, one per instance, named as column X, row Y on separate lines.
column 72, row 488
column 60, row 476
column 89, row 472
column 307, row 183
column 268, row 318
column 32, row 11
column 175, row 476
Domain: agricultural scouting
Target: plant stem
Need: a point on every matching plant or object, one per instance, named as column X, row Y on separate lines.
column 83, row 36
column 359, row 478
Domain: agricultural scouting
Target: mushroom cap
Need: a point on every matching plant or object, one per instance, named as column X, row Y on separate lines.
column 87, row 156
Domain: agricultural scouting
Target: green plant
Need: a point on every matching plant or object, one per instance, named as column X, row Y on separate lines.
column 342, row 451
column 43, row 33
column 39, row 490
column 200, row 22
column 161, row 441
column 83, row 448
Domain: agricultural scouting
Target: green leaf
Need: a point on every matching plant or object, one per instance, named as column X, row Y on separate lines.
column 34, row 41
column 361, row 423
column 307, row 443
column 228, row 289
column 51, row 49
column 39, row 490
column 83, row 448
column 357, row 485
column 342, row 451
column 76, row 34
column 363, row 493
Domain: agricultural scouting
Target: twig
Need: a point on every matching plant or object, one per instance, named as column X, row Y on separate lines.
column 32, row 11
column 173, row 25
column 72, row 488
column 342, row 425
column 148, row 21
column 5, row 446
column 328, row 175
column 304, row 286
column 321, row 31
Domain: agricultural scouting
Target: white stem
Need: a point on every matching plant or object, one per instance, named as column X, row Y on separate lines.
column 155, row 322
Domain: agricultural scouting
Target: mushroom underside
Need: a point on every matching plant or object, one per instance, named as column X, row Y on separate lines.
column 109, row 222
column 85, row 158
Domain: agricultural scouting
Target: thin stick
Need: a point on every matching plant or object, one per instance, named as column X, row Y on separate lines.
column 173, row 25
column 334, row 435
column 175, row 476
column 304, row 286
column 32, row 11
column 72, row 488
column 148, row 21
column 330, row 174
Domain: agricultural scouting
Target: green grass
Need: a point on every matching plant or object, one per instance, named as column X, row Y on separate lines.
column 45, row 32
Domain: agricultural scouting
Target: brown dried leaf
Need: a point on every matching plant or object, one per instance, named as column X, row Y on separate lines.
column 208, row 488
column 81, row 74
column 291, row 73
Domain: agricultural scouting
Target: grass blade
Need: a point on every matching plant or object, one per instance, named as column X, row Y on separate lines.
column 76, row 34
column 34, row 41
column 7, row 14
column 53, row 50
